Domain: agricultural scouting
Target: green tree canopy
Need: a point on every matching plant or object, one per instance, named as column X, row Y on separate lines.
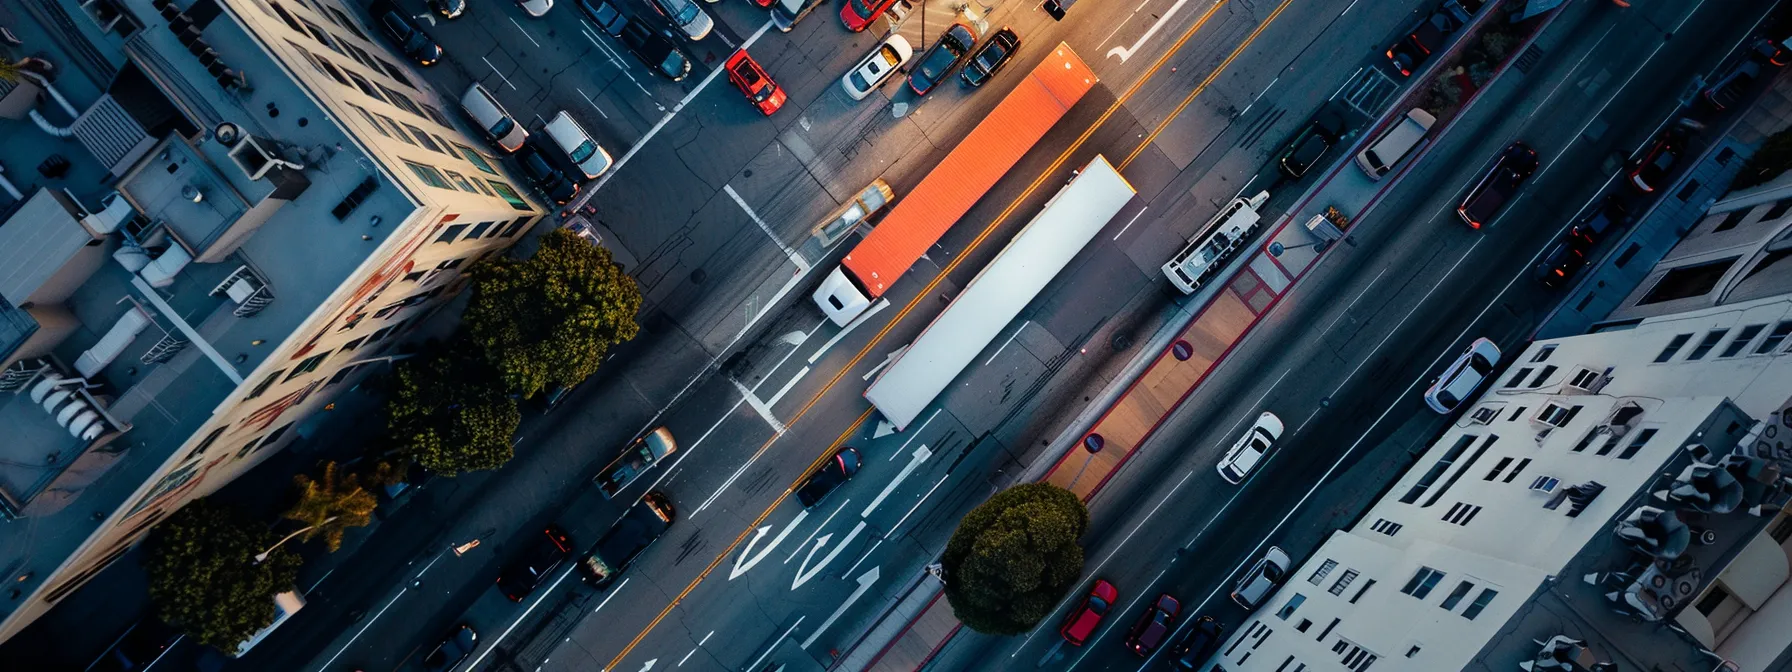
column 203, row 577
column 1014, row 557
column 447, row 411
column 329, row 505
column 550, row 319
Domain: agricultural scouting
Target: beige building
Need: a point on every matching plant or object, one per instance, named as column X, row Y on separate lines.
column 1737, row 252
column 236, row 206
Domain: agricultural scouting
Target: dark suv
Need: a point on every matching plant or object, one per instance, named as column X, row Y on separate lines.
column 1497, row 185
column 522, row 578
column 415, row 45
column 938, row 62
column 1311, row 144
column 1605, row 220
column 545, row 177
column 1425, row 37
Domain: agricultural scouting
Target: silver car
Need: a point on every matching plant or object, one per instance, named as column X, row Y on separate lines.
column 1464, row 376
column 1256, row 585
column 687, row 15
column 1251, row 449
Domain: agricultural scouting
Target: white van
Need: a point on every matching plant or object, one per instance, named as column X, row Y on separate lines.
column 571, row 138
column 1395, row 144
column 491, row 118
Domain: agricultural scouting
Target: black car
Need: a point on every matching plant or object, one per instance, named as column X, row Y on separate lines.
column 656, row 49
column 643, row 524
column 1311, row 144
column 941, row 58
column 453, row 650
column 832, row 474
column 138, row 648
column 605, row 15
column 1651, row 169
column 1425, row 37
column 545, row 177
column 1608, row 218
column 528, row 573
column 1200, row 642
column 1561, row 263
column 448, row 9
column 415, row 45
column 990, row 58
column 1729, row 88
column 1497, row 185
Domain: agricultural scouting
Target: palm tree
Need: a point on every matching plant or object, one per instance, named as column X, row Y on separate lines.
column 329, row 505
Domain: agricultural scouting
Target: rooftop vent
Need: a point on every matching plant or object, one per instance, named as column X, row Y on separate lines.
column 1654, row 532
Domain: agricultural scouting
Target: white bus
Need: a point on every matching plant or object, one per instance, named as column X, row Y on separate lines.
column 999, row 292
column 1215, row 244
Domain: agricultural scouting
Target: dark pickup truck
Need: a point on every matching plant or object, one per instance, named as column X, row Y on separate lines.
column 638, row 529
column 1497, row 185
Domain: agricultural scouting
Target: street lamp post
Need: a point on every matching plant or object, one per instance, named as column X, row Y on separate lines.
column 263, row 556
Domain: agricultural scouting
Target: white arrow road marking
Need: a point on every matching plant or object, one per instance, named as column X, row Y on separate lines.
column 1127, row 52
column 804, row 573
column 818, row 528
column 648, row 665
column 865, row 581
column 920, row 455
column 744, row 563
column 884, row 428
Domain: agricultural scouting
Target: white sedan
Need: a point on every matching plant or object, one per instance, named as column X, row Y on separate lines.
column 535, row 8
column 1251, row 448
column 877, row 67
column 1464, row 376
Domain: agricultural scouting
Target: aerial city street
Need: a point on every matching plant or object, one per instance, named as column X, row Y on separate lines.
column 895, row 335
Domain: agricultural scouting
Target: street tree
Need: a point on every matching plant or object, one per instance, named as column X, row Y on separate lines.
column 330, row 504
column 550, row 319
column 1014, row 557
column 203, row 577
column 448, row 412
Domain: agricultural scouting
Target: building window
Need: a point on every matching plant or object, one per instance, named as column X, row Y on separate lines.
column 476, row 159
column 1475, row 607
column 516, row 226
column 1497, row 468
column 375, row 123
column 1293, row 603
column 1412, row 651
column 1457, row 475
column 1461, row 513
column 264, row 384
column 1515, row 470
column 435, row 115
column 1585, row 440
column 1456, row 595
column 1706, row 344
column 397, row 74
column 1516, row 412
column 1386, row 527
column 400, row 100
column 1518, row 378
column 451, row 264
column 1686, row 282
column 423, row 138
column 1324, row 569
column 1437, row 470
column 364, row 85
column 461, row 181
column 428, row 174
column 352, row 344
column 1584, row 379
column 1636, row 443
column 1343, row 582
column 1544, row 353
column 207, row 442
column 341, row 374
column 308, row 365
column 479, row 230
column 1422, row 582
column 347, row 23
column 1674, row 346
column 510, row 196
column 1775, row 337
column 1359, row 592
column 1553, row 414
column 174, row 479
column 1543, row 376
column 451, row 233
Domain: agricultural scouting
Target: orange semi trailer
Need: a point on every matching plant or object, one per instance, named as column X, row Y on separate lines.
column 949, row 191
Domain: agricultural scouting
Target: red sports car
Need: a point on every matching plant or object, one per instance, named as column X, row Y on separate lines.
column 1087, row 616
column 858, row 14
column 752, row 80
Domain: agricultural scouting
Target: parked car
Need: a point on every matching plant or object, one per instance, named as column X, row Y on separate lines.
column 643, row 524
column 833, row 473
column 989, row 58
column 1650, row 170
column 572, row 139
column 937, row 63
column 753, row 81
column 1463, row 377
column 1728, row 88
column 858, row 14
column 605, row 14
column 1261, row 580
column 1311, row 143
column 448, row 9
column 141, row 645
column 1198, row 644
column 877, row 66
column 1250, row 449
column 785, row 13
column 655, row 49
column 1082, row 621
column 1463, row 10
column 1608, row 218
column 1497, row 185
column 640, row 456
column 535, row 8
column 1561, row 263
column 1400, row 139
column 1155, row 625
column 453, row 650
column 491, row 117
column 412, row 42
column 1425, row 37
column 687, row 15
column 545, row 177
column 521, row 578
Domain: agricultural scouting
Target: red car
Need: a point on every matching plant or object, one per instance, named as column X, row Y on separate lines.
column 858, row 14
column 1651, row 169
column 1158, row 621
column 752, row 80
column 1086, row 616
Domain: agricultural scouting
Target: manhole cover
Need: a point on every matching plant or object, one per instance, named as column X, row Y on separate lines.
column 1120, row 341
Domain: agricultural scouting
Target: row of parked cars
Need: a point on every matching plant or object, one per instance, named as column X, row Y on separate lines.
column 1158, row 622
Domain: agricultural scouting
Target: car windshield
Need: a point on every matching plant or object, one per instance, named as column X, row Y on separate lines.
column 673, row 66
column 688, row 14
column 1097, row 605
column 859, row 7
column 503, row 127
column 1272, row 573
column 991, row 55
column 583, row 151
column 858, row 81
column 397, row 26
column 937, row 62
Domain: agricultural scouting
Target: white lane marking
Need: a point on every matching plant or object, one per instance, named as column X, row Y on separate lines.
column 1352, row 304
column 1310, row 416
column 914, row 461
column 1104, row 560
column 592, row 102
column 382, row 611
column 998, row 352
column 774, row 646
column 911, row 510
column 824, row 523
column 865, row 580
column 1253, row 412
column 488, row 63
column 748, row 559
column 591, row 34
column 916, row 435
column 520, row 617
column 614, row 60
column 675, row 109
column 798, row 345
column 764, row 410
column 1127, row 52
column 519, row 28
column 671, row 468
column 694, row 648
column 607, row 598
column 866, row 556
column 795, row 258
column 804, row 573
column 1408, row 316
column 791, row 383
column 1130, row 222
column 1347, row 9
column 854, row 324
column 687, row 656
